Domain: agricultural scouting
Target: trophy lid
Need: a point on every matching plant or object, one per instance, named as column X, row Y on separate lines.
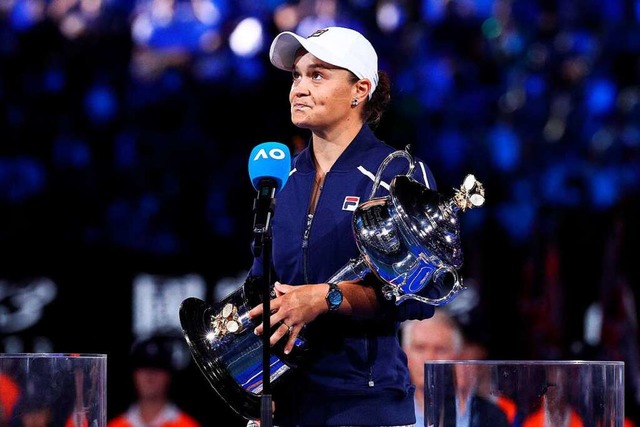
column 431, row 218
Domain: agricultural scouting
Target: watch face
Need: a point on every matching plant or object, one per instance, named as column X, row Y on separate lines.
column 334, row 297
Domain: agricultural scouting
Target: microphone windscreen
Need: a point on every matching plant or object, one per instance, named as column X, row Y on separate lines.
column 270, row 160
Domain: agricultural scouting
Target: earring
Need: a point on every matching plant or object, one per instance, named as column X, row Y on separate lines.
column 354, row 103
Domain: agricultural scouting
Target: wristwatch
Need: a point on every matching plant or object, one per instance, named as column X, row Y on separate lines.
column 333, row 297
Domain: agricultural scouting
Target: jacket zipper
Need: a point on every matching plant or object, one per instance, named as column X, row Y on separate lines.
column 366, row 349
column 305, row 264
column 305, row 246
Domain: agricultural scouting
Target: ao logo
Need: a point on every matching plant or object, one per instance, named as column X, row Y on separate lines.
column 273, row 153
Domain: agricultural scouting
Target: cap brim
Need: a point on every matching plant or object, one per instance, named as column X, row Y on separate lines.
column 283, row 50
column 285, row 46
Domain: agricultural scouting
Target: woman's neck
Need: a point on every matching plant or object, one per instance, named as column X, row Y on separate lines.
column 328, row 146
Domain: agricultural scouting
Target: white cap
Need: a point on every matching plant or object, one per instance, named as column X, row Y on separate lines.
column 342, row 47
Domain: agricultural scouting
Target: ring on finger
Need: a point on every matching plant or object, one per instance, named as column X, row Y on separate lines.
column 289, row 328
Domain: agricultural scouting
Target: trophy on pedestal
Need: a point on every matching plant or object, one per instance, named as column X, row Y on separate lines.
column 409, row 239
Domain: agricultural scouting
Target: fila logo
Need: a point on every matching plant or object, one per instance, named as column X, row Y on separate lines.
column 350, row 203
column 274, row 153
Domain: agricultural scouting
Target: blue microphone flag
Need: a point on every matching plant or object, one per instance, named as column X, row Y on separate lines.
column 270, row 160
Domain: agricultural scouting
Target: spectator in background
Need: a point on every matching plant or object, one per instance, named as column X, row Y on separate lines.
column 440, row 338
column 152, row 374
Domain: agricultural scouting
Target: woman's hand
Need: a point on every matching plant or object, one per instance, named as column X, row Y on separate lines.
column 295, row 306
column 291, row 309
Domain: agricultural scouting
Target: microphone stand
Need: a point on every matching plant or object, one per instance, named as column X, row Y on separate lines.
column 265, row 402
column 262, row 243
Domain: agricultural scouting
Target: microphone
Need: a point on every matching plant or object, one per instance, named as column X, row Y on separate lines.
column 269, row 167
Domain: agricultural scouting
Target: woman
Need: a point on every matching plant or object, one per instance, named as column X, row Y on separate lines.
column 354, row 371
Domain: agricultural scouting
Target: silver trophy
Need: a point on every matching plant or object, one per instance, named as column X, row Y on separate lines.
column 409, row 239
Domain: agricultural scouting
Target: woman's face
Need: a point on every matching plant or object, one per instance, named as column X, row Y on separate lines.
column 321, row 94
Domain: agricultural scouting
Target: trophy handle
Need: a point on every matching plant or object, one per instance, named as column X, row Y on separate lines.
column 399, row 153
column 445, row 283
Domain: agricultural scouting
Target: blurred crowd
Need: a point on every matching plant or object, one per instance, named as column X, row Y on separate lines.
column 126, row 126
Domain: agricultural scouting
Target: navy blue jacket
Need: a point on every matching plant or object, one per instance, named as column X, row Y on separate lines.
column 354, row 371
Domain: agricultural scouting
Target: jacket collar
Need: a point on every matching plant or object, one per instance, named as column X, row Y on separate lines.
column 351, row 157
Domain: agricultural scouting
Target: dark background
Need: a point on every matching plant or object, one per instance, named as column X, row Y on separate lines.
column 124, row 141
